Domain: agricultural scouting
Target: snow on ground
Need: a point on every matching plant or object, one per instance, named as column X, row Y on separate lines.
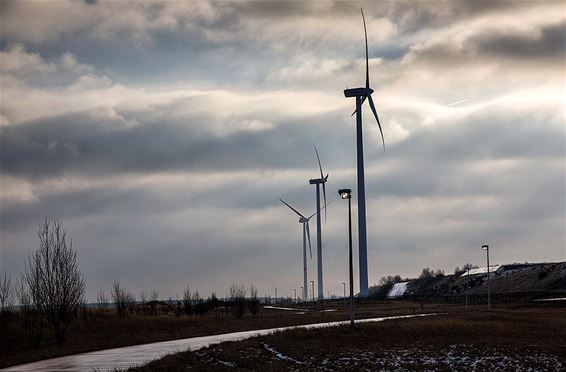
column 481, row 270
column 279, row 355
column 459, row 357
column 398, row 290
column 454, row 357
column 281, row 308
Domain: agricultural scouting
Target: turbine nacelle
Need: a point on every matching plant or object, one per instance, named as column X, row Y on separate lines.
column 315, row 181
column 358, row 92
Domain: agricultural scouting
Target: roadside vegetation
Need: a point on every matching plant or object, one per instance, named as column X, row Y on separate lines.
column 506, row 339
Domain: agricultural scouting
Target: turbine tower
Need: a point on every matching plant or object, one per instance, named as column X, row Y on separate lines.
column 319, row 181
column 306, row 235
column 361, row 94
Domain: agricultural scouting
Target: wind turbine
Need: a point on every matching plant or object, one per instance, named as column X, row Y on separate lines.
column 306, row 234
column 361, row 94
column 319, row 181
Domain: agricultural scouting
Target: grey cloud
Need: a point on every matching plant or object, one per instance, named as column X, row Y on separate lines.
column 551, row 43
column 500, row 46
column 87, row 143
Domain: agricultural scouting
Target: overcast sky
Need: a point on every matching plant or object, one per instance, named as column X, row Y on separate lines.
column 163, row 135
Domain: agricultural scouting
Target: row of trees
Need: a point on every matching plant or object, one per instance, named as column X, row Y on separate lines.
column 191, row 303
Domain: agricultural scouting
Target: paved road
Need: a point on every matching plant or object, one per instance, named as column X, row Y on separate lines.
column 124, row 357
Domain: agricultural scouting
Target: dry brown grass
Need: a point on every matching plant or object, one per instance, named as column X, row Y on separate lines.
column 521, row 338
column 112, row 331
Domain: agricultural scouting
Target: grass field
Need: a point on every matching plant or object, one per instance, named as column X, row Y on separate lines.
column 109, row 330
column 503, row 339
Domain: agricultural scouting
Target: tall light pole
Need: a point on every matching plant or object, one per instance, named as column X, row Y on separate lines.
column 276, row 295
column 347, row 194
column 312, row 283
column 467, row 279
column 344, row 285
column 485, row 247
column 304, row 298
column 295, row 289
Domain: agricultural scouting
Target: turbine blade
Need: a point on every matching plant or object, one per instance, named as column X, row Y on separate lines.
column 293, row 209
column 319, row 166
column 367, row 58
column 376, row 118
column 363, row 100
column 309, row 237
column 326, row 205
column 324, row 194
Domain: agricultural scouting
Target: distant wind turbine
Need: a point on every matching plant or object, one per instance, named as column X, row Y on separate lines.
column 361, row 94
column 306, row 235
column 318, row 181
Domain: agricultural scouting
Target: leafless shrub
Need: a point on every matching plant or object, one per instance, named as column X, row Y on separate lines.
column 6, row 303
column 187, row 301
column 7, row 293
column 101, row 301
column 143, row 303
column 130, row 300
column 53, row 277
column 153, row 300
column 119, row 296
column 31, row 317
column 254, row 304
column 237, row 300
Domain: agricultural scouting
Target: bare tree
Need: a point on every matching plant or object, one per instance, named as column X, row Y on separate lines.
column 153, row 298
column 53, row 277
column 130, row 302
column 143, row 303
column 119, row 296
column 187, row 301
column 237, row 297
column 32, row 319
column 255, row 306
column 7, row 293
column 101, row 300
column 6, row 302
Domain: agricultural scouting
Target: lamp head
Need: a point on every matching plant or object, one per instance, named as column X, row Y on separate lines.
column 485, row 247
column 345, row 193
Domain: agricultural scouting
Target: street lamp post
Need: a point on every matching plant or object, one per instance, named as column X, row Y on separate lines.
column 485, row 247
column 467, row 279
column 347, row 194
column 304, row 299
column 276, row 296
column 344, row 285
column 295, row 289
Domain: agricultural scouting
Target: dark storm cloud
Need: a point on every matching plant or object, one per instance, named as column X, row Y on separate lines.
column 549, row 43
column 85, row 143
column 545, row 45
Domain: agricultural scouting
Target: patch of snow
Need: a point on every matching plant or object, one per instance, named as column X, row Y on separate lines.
column 280, row 308
column 552, row 299
column 278, row 355
column 482, row 270
column 398, row 290
column 227, row 364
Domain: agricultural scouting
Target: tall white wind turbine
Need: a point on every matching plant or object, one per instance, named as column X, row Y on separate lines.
column 361, row 94
column 306, row 235
column 319, row 181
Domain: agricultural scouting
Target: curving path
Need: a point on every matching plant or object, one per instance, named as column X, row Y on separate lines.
column 125, row 357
